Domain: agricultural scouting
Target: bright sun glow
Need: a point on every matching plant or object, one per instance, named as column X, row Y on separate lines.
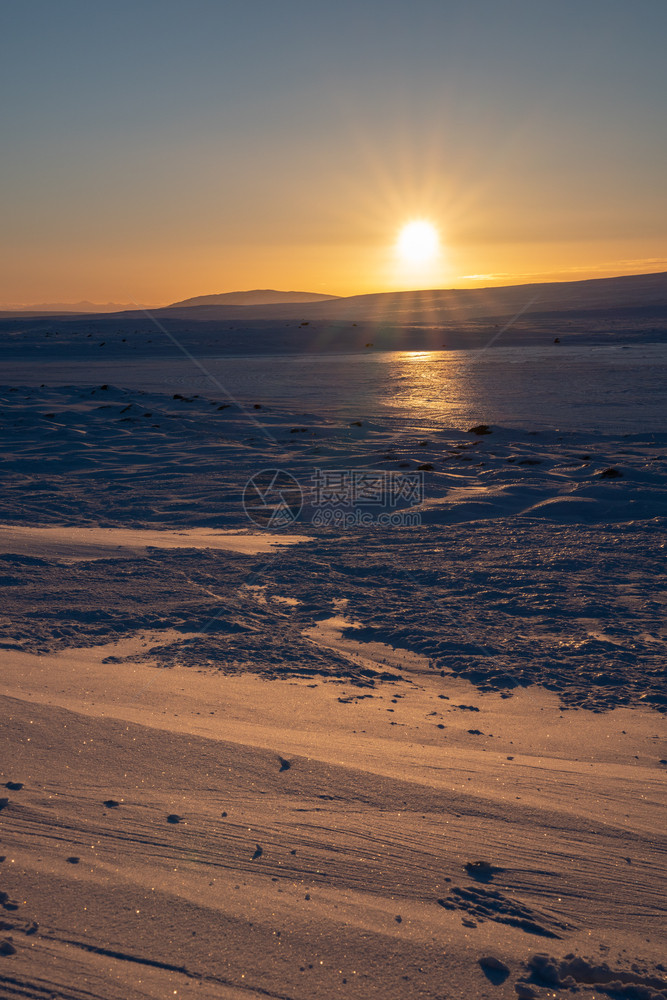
column 418, row 242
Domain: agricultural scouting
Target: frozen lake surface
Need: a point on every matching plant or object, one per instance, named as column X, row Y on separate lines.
column 614, row 390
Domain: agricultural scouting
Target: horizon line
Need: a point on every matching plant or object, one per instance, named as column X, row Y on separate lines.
column 510, row 282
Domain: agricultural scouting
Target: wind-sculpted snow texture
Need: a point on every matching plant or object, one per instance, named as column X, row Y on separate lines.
column 537, row 560
column 321, row 762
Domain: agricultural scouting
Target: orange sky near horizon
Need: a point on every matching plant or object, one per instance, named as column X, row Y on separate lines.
column 143, row 162
column 354, row 270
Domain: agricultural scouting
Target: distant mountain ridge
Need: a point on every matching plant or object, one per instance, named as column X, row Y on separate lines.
column 440, row 305
column 254, row 297
column 621, row 310
column 73, row 307
column 435, row 306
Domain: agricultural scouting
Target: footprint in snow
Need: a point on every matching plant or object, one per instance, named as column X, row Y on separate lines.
column 494, row 970
column 481, row 871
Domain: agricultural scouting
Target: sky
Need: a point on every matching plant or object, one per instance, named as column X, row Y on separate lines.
column 156, row 150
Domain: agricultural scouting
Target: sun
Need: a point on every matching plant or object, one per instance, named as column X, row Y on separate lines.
column 418, row 242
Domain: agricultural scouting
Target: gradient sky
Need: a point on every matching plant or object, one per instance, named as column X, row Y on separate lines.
column 156, row 150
